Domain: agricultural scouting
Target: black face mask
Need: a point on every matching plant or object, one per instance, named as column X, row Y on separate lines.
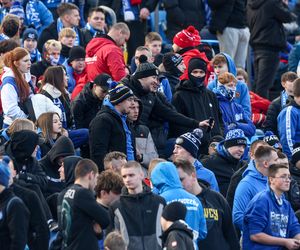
column 197, row 81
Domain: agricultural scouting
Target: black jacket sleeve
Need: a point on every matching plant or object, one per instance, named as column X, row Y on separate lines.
column 272, row 113
column 86, row 202
column 78, row 113
column 100, row 131
column 176, row 242
column 171, row 115
column 17, row 222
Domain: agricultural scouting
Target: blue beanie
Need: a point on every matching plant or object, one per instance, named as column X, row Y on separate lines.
column 4, row 174
column 191, row 141
column 31, row 34
column 235, row 137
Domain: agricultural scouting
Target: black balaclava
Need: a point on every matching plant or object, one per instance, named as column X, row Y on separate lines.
column 197, row 63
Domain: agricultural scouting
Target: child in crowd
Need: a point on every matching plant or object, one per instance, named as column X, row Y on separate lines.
column 67, row 38
column 233, row 114
column 30, row 37
column 223, row 63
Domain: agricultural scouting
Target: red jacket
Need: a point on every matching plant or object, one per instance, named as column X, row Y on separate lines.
column 187, row 56
column 104, row 56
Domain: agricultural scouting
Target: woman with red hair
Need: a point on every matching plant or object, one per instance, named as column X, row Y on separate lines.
column 16, row 85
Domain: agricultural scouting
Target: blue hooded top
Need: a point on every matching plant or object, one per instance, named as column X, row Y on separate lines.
column 242, row 96
column 165, row 179
column 234, row 113
column 252, row 183
column 265, row 214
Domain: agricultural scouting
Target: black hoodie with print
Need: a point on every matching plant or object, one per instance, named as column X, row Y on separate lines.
column 218, row 221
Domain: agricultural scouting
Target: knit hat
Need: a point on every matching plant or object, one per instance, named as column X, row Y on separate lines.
column 216, row 138
column 235, row 137
column 4, row 174
column 145, row 69
column 119, row 94
column 187, row 38
column 22, row 144
column 76, row 52
column 196, row 63
column 17, row 9
column 103, row 80
column 296, row 153
column 272, row 140
column 191, row 141
column 174, row 211
column 170, row 62
column 30, row 33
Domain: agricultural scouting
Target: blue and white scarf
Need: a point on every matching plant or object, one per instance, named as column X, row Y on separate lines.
column 35, row 56
column 60, row 26
column 93, row 30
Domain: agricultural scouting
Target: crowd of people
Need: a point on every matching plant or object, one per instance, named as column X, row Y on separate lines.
column 118, row 137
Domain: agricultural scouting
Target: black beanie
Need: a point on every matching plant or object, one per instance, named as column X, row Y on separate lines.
column 296, row 153
column 119, row 94
column 76, row 52
column 191, row 141
column 235, row 137
column 272, row 140
column 145, row 69
column 171, row 60
column 174, row 211
column 197, row 63
column 22, row 144
column 103, row 80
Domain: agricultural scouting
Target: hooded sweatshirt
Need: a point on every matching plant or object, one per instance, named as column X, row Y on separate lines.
column 62, row 147
column 252, row 183
column 70, row 163
column 165, row 180
column 242, row 96
column 104, row 56
column 233, row 112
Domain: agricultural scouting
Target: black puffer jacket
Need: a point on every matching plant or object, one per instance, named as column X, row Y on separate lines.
column 178, row 237
column 85, row 107
column 38, row 69
column 182, row 13
column 62, row 147
column 265, row 19
column 227, row 13
column 198, row 103
column 106, row 134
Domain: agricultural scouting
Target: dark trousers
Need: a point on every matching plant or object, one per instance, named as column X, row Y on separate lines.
column 137, row 37
column 265, row 67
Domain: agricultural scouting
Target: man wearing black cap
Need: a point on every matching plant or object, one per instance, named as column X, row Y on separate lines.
column 108, row 131
column 156, row 109
column 89, row 102
column 176, row 233
column 192, row 99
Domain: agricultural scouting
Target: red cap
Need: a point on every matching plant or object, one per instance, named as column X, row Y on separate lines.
column 187, row 38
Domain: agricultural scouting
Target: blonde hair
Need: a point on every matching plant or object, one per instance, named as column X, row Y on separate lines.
column 52, row 44
column 66, row 32
column 153, row 164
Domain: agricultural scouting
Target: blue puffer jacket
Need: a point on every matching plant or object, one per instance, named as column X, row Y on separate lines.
column 71, row 80
column 234, row 113
column 38, row 15
column 166, row 181
column 242, row 96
